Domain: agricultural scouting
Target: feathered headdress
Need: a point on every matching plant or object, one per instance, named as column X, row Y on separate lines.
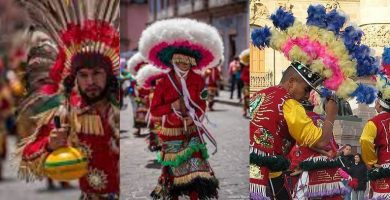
column 149, row 73
column 244, row 57
column 183, row 39
column 135, row 63
column 79, row 28
column 383, row 80
column 321, row 48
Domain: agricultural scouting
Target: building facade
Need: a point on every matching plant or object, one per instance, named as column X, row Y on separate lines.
column 230, row 17
column 133, row 20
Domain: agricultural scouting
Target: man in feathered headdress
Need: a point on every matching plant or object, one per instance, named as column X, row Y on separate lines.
column 185, row 48
column 320, row 54
column 375, row 136
column 81, row 108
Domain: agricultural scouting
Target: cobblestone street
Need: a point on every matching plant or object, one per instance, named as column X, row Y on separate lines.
column 139, row 170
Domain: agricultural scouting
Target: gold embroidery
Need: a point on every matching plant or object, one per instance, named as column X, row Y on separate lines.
column 176, row 131
column 255, row 172
column 382, row 185
column 97, row 179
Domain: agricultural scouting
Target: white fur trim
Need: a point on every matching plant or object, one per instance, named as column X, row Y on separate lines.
column 383, row 104
column 244, row 54
column 181, row 29
column 135, row 60
column 147, row 73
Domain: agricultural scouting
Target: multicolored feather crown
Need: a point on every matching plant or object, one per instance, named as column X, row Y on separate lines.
column 383, row 78
column 78, row 27
column 322, row 45
column 161, row 40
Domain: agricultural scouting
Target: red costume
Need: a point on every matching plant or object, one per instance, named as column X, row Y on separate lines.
column 184, row 48
column 276, row 121
column 88, row 40
column 322, row 179
column 375, row 150
column 101, row 149
column 212, row 78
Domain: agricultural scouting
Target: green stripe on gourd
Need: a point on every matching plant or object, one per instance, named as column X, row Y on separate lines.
column 65, row 163
column 180, row 159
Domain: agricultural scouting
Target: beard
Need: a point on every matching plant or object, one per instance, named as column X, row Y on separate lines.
column 89, row 100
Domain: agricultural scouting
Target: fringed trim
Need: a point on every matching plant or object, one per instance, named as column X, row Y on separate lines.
column 32, row 170
column 89, row 124
column 256, row 196
column 189, row 177
column 378, row 173
column 319, row 162
column 42, row 119
column 258, row 192
column 206, row 188
column 273, row 163
column 258, row 152
column 380, row 196
column 176, row 159
column 326, row 189
column 177, row 131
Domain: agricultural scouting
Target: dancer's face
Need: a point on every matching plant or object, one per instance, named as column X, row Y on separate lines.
column 183, row 66
column 91, row 82
column 378, row 106
column 298, row 88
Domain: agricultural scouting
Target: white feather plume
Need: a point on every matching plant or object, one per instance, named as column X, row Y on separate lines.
column 181, row 29
column 148, row 73
column 135, row 61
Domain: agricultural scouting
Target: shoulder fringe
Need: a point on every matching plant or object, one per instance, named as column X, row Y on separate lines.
column 31, row 170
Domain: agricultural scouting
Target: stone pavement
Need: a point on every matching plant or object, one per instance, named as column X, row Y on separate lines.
column 139, row 170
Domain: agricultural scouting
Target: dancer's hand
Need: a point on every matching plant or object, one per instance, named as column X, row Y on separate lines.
column 331, row 108
column 58, row 137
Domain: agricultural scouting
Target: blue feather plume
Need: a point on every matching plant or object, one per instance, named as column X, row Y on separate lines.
column 365, row 94
column 261, row 37
column 352, row 37
column 282, row 19
column 316, row 16
column 325, row 92
column 366, row 64
column 386, row 56
column 334, row 21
